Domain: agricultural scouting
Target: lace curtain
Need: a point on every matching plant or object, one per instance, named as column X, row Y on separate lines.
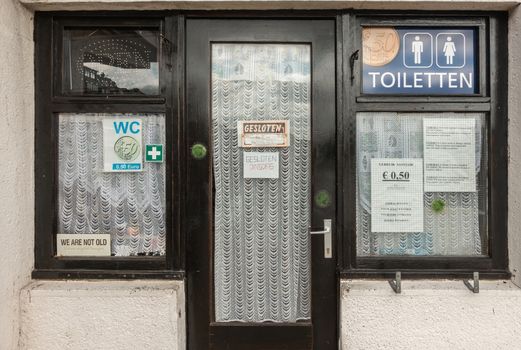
column 128, row 206
column 455, row 230
column 262, row 256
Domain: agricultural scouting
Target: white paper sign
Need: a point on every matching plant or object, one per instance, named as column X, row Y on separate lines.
column 450, row 154
column 396, row 195
column 83, row 245
column 122, row 145
column 261, row 165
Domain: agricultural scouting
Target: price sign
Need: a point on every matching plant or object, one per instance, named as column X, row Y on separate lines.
column 397, row 176
column 397, row 195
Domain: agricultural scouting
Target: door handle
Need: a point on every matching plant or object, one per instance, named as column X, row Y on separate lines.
column 328, row 254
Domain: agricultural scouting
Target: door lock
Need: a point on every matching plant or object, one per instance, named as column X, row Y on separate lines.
column 328, row 254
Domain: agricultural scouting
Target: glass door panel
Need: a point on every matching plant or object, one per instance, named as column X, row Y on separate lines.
column 262, row 202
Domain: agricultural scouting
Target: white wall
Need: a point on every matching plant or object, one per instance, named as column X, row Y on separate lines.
column 514, row 144
column 430, row 315
column 91, row 315
column 16, row 170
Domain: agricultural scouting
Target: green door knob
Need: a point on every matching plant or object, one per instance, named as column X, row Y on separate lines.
column 198, row 151
column 323, row 199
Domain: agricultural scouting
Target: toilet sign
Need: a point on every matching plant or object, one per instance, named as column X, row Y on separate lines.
column 122, row 145
column 419, row 61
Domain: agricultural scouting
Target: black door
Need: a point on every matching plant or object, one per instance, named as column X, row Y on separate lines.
column 261, row 143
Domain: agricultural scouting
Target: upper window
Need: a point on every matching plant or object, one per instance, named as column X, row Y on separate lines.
column 110, row 61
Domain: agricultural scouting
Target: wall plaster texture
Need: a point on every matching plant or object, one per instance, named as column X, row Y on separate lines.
column 16, row 152
column 44, row 5
column 91, row 315
column 514, row 144
column 430, row 315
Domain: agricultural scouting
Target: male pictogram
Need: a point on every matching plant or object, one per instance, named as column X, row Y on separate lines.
column 417, row 49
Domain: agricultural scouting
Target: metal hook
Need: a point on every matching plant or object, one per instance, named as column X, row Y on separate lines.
column 473, row 288
column 352, row 59
column 396, row 284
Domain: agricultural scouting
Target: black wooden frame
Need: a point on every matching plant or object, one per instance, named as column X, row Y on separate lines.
column 49, row 102
column 203, row 330
column 492, row 33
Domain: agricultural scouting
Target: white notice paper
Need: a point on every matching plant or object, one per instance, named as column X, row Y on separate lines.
column 83, row 244
column 450, row 154
column 261, row 165
column 396, row 195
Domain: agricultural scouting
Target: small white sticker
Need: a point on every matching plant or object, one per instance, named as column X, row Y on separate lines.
column 261, row 165
column 83, row 245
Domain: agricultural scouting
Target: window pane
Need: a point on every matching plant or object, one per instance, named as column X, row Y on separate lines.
column 127, row 206
column 108, row 61
column 454, row 213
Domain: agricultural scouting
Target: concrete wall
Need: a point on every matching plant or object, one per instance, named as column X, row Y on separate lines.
column 514, row 144
column 16, row 174
column 430, row 315
column 103, row 315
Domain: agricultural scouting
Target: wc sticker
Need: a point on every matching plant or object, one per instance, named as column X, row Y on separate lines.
column 122, row 145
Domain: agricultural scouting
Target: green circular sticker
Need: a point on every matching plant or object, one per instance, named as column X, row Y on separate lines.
column 127, row 148
column 198, row 151
column 323, row 199
column 438, row 205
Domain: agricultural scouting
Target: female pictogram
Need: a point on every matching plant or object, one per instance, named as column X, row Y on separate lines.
column 449, row 49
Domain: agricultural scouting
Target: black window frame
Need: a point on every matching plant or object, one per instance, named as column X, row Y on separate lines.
column 490, row 100
column 51, row 101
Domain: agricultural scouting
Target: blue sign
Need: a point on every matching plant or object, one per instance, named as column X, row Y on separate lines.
column 126, row 166
column 419, row 61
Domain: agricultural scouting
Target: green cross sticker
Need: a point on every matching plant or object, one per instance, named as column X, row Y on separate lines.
column 154, row 153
